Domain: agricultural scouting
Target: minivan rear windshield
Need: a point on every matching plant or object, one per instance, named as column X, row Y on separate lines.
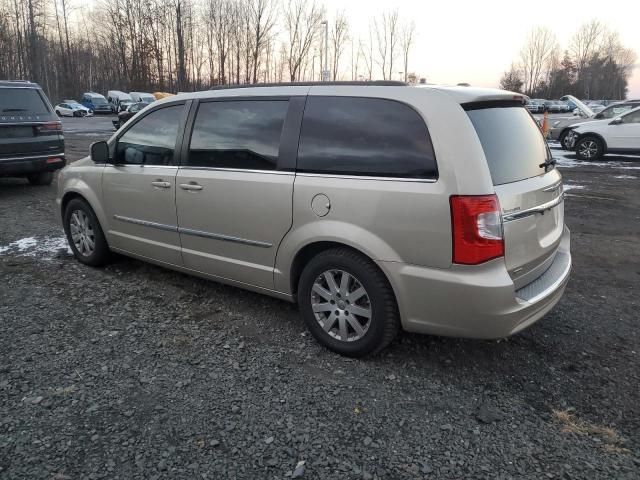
column 25, row 101
column 513, row 144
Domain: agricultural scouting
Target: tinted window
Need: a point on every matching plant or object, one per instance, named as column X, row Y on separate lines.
column 633, row 117
column 237, row 134
column 512, row 143
column 22, row 100
column 151, row 141
column 364, row 136
column 615, row 111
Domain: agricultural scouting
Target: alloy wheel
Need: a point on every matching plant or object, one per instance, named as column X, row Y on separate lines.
column 588, row 149
column 341, row 305
column 82, row 233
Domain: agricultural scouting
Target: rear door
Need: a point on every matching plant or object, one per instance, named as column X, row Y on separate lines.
column 235, row 186
column 530, row 192
column 28, row 125
column 626, row 135
column 139, row 186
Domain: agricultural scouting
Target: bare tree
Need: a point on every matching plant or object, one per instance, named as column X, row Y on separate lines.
column 586, row 43
column 339, row 34
column 302, row 21
column 406, row 42
column 386, row 30
column 540, row 45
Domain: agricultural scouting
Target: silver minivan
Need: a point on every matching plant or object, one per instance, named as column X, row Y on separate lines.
column 374, row 206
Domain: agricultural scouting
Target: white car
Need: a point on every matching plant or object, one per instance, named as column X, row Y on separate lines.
column 71, row 108
column 592, row 140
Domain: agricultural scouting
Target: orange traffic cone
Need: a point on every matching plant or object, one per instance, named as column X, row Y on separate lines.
column 545, row 124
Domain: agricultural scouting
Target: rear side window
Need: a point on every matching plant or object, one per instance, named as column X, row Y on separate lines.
column 22, row 101
column 512, row 143
column 241, row 134
column 364, row 136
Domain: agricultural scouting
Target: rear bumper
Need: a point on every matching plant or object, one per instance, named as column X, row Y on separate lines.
column 18, row 166
column 476, row 302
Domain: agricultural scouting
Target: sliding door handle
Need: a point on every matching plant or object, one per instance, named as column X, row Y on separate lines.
column 161, row 184
column 191, row 186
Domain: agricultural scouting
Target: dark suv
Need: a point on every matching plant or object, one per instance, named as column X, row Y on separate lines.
column 31, row 141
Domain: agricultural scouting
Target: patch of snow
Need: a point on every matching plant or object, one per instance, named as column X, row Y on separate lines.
column 625, row 176
column 572, row 186
column 44, row 247
column 568, row 162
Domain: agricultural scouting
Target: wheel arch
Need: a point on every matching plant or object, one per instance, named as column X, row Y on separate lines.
column 596, row 135
column 92, row 202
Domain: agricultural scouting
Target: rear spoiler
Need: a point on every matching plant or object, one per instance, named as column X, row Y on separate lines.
column 503, row 102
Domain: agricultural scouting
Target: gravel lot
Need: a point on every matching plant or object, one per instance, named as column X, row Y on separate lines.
column 138, row 372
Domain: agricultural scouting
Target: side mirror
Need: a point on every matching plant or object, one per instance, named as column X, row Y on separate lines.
column 616, row 121
column 100, row 152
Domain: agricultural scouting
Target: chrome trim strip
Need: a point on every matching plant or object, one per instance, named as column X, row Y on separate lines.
column 363, row 177
column 33, row 157
column 227, row 238
column 132, row 165
column 240, row 170
column 189, row 231
column 553, row 187
column 532, row 211
column 145, row 223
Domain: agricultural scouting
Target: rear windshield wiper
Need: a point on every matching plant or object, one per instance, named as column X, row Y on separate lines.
column 548, row 163
column 14, row 109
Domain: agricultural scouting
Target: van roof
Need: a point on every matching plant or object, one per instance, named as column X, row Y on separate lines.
column 94, row 94
column 459, row 94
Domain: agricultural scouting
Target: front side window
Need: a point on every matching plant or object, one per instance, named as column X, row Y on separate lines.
column 152, row 140
column 615, row 111
column 364, row 136
column 241, row 134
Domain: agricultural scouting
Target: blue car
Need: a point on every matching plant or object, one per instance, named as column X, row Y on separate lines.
column 95, row 102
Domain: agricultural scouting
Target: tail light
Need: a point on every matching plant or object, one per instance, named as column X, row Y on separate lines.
column 477, row 229
column 51, row 128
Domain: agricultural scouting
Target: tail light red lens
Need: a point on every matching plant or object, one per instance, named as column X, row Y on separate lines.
column 476, row 224
column 51, row 128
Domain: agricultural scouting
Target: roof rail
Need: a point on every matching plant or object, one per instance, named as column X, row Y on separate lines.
column 373, row 83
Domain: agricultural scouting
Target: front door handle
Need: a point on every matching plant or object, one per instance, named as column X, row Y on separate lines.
column 161, row 184
column 191, row 186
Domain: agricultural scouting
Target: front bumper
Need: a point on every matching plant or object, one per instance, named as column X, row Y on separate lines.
column 19, row 166
column 475, row 301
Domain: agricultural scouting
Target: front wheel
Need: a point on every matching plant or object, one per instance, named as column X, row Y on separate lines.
column 347, row 303
column 589, row 148
column 84, row 234
column 564, row 140
column 42, row 178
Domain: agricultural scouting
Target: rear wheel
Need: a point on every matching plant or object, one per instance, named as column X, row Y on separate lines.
column 84, row 234
column 42, row 178
column 347, row 303
column 589, row 148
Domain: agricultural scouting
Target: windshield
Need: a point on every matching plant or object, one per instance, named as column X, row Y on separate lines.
column 98, row 101
column 22, row 100
column 613, row 111
column 512, row 142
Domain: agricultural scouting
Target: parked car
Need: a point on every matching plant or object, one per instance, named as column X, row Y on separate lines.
column 124, row 104
column 562, row 126
column 95, row 102
column 114, row 97
column 77, row 106
column 125, row 116
column 31, row 141
column 142, row 97
column 333, row 196
column 537, row 105
column 67, row 109
column 533, row 107
column 592, row 140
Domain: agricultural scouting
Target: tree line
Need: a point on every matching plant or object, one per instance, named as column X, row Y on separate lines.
column 184, row 45
column 594, row 65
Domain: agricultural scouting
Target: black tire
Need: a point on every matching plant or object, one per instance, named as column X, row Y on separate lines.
column 76, row 114
column 58, row 113
column 562, row 138
column 42, row 178
column 589, row 148
column 385, row 319
column 101, row 253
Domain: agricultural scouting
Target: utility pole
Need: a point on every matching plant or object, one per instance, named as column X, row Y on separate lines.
column 325, row 70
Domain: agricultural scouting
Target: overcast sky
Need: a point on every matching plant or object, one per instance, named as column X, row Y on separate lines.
column 475, row 41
